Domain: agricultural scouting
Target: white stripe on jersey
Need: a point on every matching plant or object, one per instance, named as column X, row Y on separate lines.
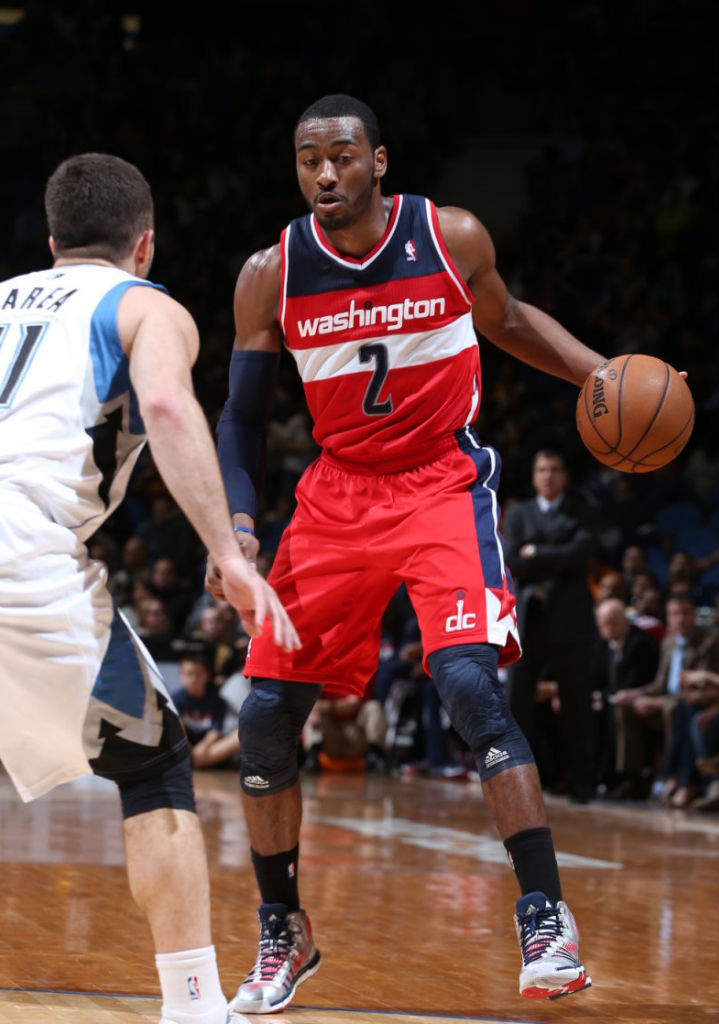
column 495, row 506
column 356, row 264
column 403, row 350
column 451, row 270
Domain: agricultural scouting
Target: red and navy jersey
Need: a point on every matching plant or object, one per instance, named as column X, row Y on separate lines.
column 384, row 345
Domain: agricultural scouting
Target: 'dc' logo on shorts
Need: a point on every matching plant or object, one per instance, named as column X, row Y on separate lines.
column 461, row 620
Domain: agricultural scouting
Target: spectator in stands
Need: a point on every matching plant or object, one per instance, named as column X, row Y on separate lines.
column 550, row 540
column 133, row 566
column 625, row 658
column 647, row 613
column 698, row 694
column 204, row 713
column 417, row 726
column 168, row 535
column 633, row 561
column 705, row 733
column 175, row 593
column 155, row 627
column 346, row 733
column 646, row 714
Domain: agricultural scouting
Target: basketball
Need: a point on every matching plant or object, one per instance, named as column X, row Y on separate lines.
column 635, row 413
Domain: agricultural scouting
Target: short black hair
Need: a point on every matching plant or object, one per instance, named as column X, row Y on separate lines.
column 553, row 454
column 97, row 205
column 339, row 104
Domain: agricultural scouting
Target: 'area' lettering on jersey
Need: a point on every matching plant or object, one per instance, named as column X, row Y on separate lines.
column 37, row 298
column 394, row 316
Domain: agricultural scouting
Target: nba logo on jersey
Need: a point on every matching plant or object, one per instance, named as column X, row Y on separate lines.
column 193, row 987
column 410, row 253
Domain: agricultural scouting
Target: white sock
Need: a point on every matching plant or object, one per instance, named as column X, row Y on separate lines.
column 191, row 990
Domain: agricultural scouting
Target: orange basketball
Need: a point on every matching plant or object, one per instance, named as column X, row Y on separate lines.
column 635, row 413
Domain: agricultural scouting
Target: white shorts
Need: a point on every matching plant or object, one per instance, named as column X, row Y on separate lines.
column 80, row 692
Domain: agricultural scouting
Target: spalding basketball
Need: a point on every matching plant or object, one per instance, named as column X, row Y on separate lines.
column 635, row 413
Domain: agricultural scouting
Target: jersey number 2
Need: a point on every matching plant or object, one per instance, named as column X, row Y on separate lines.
column 20, row 360
column 376, row 353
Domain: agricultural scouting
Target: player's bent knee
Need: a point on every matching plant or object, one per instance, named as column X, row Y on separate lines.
column 270, row 725
column 469, row 687
column 171, row 787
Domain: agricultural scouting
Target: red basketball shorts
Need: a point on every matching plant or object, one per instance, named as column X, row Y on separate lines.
column 355, row 537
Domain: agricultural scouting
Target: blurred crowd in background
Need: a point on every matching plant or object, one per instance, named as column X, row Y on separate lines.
column 616, row 238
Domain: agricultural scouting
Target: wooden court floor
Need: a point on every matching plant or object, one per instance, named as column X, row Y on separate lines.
column 411, row 900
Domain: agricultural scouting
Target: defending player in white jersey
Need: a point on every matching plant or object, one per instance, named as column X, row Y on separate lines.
column 94, row 359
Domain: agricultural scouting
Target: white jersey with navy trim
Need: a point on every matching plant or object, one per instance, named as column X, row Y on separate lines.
column 80, row 692
column 70, row 428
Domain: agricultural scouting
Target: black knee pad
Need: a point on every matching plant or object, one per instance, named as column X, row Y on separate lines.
column 469, row 687
column 171, row 787
column 270, row 725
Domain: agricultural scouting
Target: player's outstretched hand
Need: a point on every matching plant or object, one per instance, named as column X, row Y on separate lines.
column 236, row 580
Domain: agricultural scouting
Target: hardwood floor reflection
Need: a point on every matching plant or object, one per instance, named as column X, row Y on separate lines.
column 411, row 900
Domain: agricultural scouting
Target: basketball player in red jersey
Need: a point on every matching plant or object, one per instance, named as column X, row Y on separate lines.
column 378, row 299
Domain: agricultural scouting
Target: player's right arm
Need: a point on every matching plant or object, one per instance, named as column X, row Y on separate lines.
column 242, row 427
column 161, row 341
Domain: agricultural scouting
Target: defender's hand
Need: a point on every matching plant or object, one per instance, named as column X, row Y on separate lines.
column 254, row 599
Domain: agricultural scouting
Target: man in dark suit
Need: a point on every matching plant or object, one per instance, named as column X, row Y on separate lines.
column 625, row 658
column 549, row 540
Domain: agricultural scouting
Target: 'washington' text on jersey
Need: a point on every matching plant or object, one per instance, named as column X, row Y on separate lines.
column 394, row 316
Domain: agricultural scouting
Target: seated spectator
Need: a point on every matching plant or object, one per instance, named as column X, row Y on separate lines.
column 174, row 592
column 155, row 628
column 705, row 731
column 647, row 613
column 611, row 584
column 133, row 566
column 204, row 713
column 624, row 659
column 347, row 732
column 698, row 694
column 643, row 580
column 646, row 714
column 131, row 608
column 167, row 533
column 681, row 574
column 218, row 624
column 417, row 735
column 634, row 560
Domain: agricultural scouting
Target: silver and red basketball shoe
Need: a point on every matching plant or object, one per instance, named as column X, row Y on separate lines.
column 549, row 941
column 287, row 956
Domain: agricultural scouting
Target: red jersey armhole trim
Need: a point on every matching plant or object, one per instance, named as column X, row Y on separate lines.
column 457, row 277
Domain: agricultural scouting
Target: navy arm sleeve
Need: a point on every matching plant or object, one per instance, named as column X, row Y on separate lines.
column 242, row 427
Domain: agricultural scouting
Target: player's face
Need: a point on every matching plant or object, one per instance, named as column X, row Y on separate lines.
column 337, row 169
